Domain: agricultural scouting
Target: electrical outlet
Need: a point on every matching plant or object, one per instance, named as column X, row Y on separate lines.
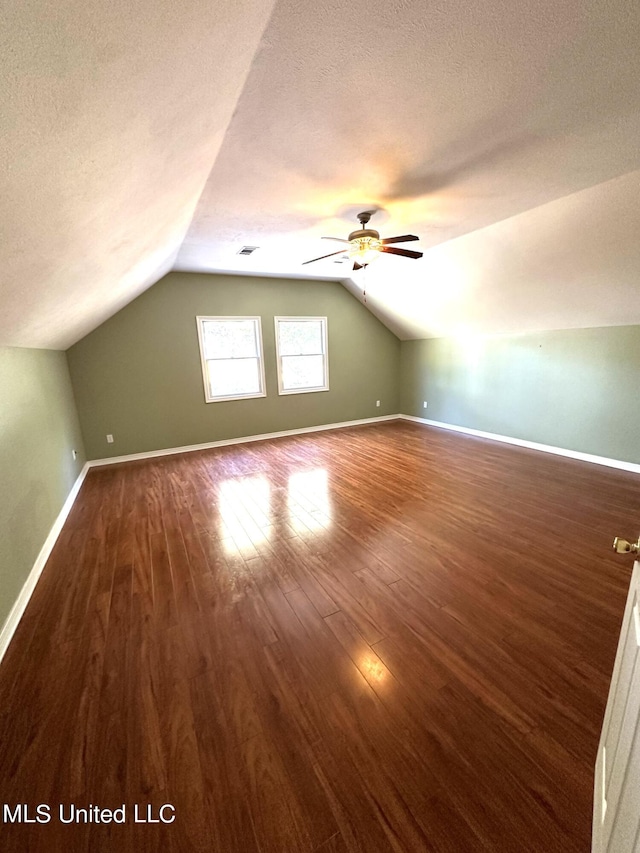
column 377, row 402
column 424, row 405
column 109, row 439
column 74, row 453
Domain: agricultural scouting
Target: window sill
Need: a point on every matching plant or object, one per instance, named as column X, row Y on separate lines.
column 237, row 397
column 302, row 391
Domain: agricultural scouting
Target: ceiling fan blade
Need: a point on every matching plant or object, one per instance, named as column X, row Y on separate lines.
column 313, row 260
column 405, row 253
column 404, row 239
column 338, row 239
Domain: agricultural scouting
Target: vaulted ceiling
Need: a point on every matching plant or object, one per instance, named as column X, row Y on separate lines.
column 139, row 137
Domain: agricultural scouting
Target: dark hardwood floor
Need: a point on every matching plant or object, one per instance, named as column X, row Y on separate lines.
column 389, row 638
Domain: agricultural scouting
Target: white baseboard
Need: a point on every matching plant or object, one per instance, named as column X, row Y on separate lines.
column 532, row 445
column 492, row 436
column 188, row 448
column 14, row 617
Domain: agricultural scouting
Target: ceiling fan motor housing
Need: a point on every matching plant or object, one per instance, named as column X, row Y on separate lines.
column 363, row 233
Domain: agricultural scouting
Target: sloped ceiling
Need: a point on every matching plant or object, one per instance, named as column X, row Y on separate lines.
column 141, row 137
column 112, row 115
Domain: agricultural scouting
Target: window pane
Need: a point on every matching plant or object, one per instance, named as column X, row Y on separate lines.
column 231, row 377
column 302, row 371
column 300, row 337
column 230, row 339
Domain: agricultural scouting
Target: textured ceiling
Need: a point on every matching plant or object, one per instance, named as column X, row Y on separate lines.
column 144, row 136
column 112, row 115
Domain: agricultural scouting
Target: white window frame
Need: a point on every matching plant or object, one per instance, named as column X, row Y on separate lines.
column 200, row 320
column 325, row 354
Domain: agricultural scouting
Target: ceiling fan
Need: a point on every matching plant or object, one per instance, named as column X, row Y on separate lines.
column 365, row 244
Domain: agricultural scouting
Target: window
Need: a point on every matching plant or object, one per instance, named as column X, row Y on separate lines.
column 301, row 346
column 231, row 354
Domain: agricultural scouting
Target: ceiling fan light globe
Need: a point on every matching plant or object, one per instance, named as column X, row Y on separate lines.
column 363, row 250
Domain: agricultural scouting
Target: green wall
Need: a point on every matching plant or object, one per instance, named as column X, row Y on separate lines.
column 577, row 389
column 138, row 376
column 38, row 430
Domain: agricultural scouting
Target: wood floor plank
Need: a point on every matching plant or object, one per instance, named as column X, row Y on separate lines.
column 371, row 639
column 224, row 791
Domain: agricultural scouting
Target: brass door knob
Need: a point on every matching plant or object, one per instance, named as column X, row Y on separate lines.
column 622, row 546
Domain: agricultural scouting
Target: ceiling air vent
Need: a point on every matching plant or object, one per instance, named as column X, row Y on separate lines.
column 247, row 250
